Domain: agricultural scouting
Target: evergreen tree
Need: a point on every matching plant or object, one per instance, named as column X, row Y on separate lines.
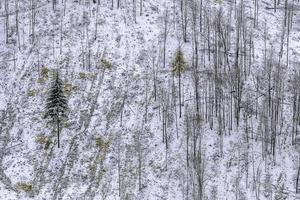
column 178, row 66
column 179, row 63
column 57, row 105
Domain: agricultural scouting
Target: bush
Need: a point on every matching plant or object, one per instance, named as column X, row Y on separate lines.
column 67, row 124
column 106, row 64
column 41, row 81
column 69, row 88
column 44, row 140
column 31, row 93
column 25, row 187
column 45, row 73
column 94, row 76
column 101, row 144
column 82, row 75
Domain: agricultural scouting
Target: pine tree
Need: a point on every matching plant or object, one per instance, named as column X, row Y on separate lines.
column 178, row 66
column 179, row 63
column 57, row 105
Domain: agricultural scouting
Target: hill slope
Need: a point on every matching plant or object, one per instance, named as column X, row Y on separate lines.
column 225, row 128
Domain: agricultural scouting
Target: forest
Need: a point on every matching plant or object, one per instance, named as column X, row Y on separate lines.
column 149, row 99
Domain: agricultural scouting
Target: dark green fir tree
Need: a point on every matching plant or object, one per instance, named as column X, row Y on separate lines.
column 57, row 105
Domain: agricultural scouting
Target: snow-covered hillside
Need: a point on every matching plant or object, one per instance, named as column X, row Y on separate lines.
column 223, row 128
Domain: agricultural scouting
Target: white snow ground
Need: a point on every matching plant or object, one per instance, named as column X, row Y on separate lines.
column 79, row 170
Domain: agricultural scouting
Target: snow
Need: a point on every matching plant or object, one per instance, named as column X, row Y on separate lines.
column 79, row 169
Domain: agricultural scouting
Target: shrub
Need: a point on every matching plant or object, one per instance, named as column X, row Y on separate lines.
column 69, row 88
column 25, row 187
column 94, row 76
column 106, row 64
column 82, row 75
column 45, row 73
column 101, row 144
column 31, row 93
column 41, row 80
column 44, row 140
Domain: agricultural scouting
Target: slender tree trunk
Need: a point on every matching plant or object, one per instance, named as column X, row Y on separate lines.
column 96, row 21
column 6, row 6
column 297, row 181
column 179, row 95
column 165, row 38
column 58, row 131
column 17, row 23
column 134, row 10
column 141, row 7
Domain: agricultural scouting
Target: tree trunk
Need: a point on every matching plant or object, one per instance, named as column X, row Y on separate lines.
column 58, row 131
